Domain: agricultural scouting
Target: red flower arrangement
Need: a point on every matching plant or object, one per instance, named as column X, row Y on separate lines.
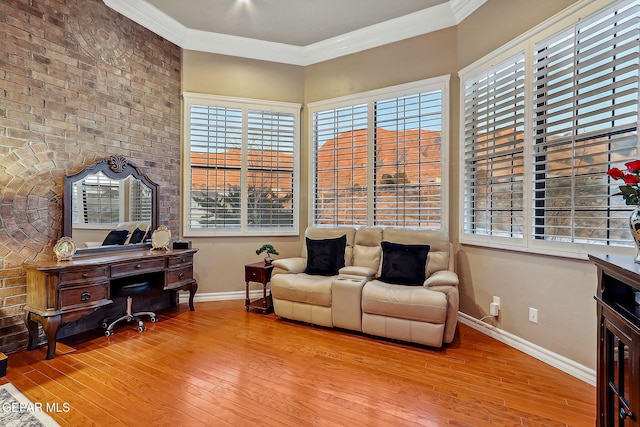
column 630, row 192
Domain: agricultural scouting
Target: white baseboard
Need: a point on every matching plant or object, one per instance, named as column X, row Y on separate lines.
column 550, row 358
column 220, row 296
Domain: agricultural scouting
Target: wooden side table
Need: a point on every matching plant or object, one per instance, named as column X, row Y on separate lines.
column 261, row 273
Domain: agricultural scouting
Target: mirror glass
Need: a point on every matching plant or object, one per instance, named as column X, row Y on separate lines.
column 110, row 204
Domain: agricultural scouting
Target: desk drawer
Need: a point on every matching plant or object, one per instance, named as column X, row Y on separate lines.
column 135, row 268
column 79, row 296
column 177, row 261
column 257, row 275
column 178, row 277
column 70, row 277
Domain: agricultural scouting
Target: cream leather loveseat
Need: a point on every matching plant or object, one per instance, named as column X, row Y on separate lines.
column 360, row 297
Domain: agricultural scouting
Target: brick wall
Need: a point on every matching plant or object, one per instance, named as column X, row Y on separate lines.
column 78, row 82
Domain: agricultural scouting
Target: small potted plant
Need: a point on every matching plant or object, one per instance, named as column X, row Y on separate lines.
column 270, row 250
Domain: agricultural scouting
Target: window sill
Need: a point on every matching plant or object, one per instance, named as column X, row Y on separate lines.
column 240, row 233
column 553, row 249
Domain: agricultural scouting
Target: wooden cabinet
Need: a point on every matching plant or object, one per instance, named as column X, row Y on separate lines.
column 618, row 370
column 64, row 291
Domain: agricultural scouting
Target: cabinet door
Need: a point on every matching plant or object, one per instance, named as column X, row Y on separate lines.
column 620, row 359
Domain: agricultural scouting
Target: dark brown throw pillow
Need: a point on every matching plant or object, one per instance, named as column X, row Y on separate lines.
column 404, row 264
column 325, row 256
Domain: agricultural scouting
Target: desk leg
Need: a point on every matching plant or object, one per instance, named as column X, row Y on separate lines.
column 191, row 287
column 192, row 292
column 247, row 302
column 51, row 325
column 32, row 329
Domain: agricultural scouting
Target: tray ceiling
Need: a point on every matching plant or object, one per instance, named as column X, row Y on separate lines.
column 300, row 32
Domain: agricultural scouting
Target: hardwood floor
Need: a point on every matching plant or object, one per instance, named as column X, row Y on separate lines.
column 222, row 366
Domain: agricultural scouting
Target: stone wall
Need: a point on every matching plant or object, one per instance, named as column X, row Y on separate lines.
column 78, row 82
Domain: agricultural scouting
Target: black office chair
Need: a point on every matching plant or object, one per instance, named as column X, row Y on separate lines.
column 129, row 291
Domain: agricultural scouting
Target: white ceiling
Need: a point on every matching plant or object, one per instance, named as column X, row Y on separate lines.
column 294, row 22
column 300, row 32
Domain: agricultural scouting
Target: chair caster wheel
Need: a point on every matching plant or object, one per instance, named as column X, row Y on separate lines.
column 141, row 328
column 105, row 325
column 154, row 319
column 108, row 333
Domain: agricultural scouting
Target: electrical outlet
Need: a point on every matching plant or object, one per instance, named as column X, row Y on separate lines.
column 533, row 315
column 494, row 307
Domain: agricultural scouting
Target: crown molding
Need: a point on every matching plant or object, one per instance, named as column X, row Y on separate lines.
column 422, row 22
column 412, row 25
column 243, row 47
column 151, row 18
column 463, row 8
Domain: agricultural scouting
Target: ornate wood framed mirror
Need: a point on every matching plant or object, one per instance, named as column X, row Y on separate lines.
column 110, row 205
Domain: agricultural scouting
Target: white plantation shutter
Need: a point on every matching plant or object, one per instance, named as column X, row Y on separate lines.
column 241, row 177
column 585, row 121
column 378, row 158
column 270, row 175
column 494, row 150
column 408, row 169
column 340, row 166
column 216, row 162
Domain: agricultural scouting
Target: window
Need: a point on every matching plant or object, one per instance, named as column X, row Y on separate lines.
column 494, row 150
column 538, row 140
column 586, row 118
column 378, row 157
column 241, row 169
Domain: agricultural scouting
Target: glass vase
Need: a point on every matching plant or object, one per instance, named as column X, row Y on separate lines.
column 634, row 224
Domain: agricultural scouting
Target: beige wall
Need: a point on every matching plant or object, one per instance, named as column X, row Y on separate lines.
column 561, row 289
column 241, row 77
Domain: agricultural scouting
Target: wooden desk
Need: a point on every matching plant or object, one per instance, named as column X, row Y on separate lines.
column 59, row 292
column 618, row 369
column 261, row 273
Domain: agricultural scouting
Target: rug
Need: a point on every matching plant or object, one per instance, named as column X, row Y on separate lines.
column 17, row 411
